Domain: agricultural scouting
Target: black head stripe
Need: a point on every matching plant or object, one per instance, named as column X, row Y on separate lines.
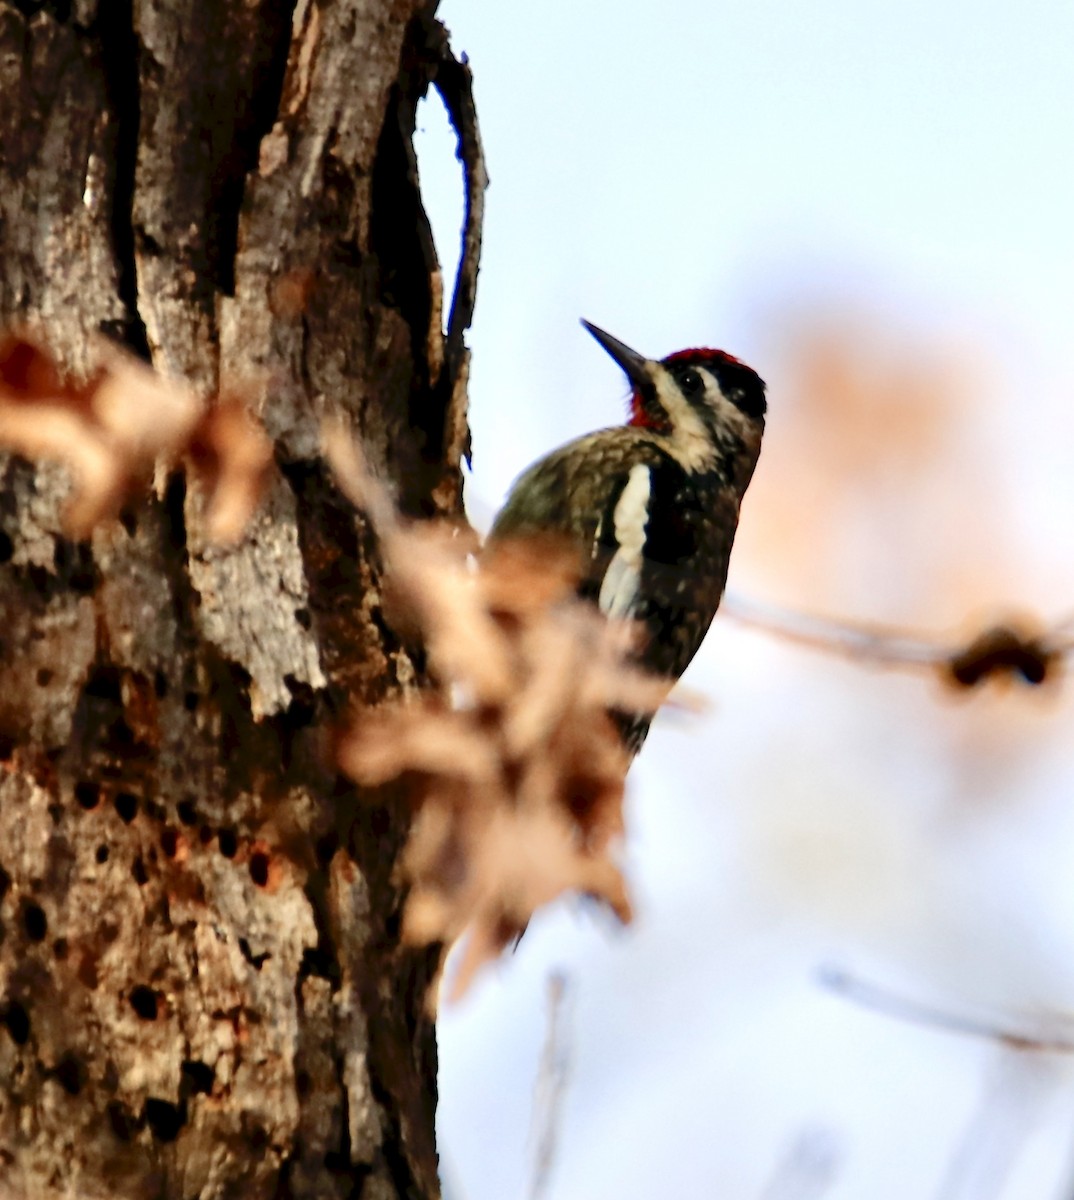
column 739, row 383
column 742, row 386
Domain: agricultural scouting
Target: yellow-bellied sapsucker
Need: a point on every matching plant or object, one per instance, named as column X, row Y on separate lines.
column 653, row 505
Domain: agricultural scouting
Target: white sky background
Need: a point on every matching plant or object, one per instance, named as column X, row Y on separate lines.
column 699, row 173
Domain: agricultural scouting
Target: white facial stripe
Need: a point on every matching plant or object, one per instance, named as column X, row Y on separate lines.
column 619, row 588
column 689, row 441
column 729, row 415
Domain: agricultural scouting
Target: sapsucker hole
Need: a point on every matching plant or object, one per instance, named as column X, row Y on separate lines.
column 87, row 971
column 34, row 921
column 126, row 806
column 106, row 683
column 186, row 812
column 60, row 949
column 70, row 1074
column 326, row 848
column 259, row 868
column 87, row 793
column 138, row 870
column 257, row 1137
column 123, row 735
column 144, row 1001
column 205, row 835
column 164, row 1119
column 44, row 676
column 198, row 1076
column 317, row 961
column 257, row 961
column 17, row 1021
column 123, row 1124
column 228, row 843
column 102, row 853
column 75, row 566
column 169, row 841
column 7, row 548
column 110, row 1077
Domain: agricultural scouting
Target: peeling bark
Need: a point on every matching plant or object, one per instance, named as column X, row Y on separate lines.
column 201, row 987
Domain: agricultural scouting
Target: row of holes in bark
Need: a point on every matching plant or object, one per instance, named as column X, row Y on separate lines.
column 143, row 999
column 35, row 921
column 126, row 804
column 163, row 1118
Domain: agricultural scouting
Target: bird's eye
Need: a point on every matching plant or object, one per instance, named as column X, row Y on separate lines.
column 690, row 382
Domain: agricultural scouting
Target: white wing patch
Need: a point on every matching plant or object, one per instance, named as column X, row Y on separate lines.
column 622, row 581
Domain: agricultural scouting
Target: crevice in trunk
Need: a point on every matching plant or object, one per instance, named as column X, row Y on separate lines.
column 119, row 59
column 255, row 115
column 402, row 241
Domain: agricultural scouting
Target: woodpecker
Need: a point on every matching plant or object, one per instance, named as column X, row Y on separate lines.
column 653, row 504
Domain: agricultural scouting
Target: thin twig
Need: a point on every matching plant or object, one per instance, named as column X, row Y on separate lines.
column 1008, row 1113
column 808, row 1169
column 551, row 1085
column 872, row 642
column 870, row 995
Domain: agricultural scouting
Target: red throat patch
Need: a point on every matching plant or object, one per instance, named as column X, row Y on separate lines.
column 641, row 419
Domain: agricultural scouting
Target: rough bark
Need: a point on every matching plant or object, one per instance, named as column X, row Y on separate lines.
column 201, row 986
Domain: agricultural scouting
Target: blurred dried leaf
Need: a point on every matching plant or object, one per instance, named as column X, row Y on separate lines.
column 108, row 430
column 232, row 454
column 111, row 429
column 516, row 771
column 1003, row 650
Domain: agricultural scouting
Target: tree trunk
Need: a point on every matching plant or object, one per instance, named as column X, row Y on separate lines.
column 202, row 987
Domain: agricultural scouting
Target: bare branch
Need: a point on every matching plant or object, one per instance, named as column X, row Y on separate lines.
column 551, row 1085
column 1016, row 648
column 808, row 1169
column 869, row 995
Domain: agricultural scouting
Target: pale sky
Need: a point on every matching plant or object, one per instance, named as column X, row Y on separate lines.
column 698, row 173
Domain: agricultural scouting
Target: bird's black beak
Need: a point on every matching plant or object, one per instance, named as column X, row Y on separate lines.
column 631, row 361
